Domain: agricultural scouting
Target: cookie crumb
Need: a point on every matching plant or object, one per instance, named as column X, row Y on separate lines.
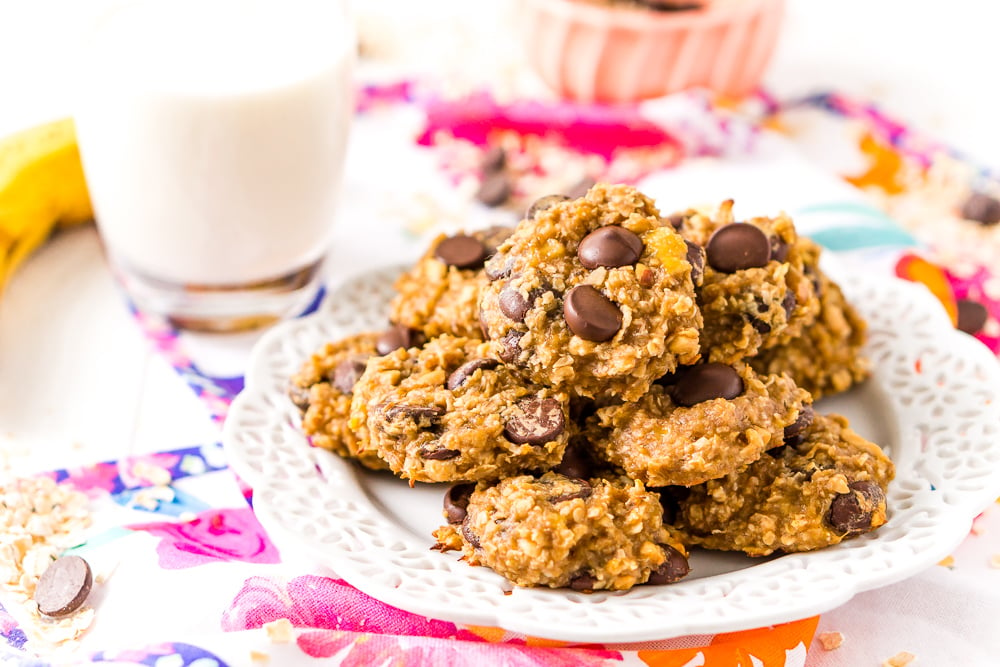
column 831, row 640
column 259, row 657
column 947, row 561
column 280, row 631
column 995, row 561
column 901, row 659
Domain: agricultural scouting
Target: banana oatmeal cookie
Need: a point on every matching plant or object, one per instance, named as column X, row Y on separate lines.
column 440, row 294
column 825, row 485
column 322, row 389
column 594, row 295
column 755, row 293
column 703, row 422
column 448, row 412
column 826, row 359
column 558, row 531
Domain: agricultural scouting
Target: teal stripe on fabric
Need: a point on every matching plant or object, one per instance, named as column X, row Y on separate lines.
column 100, row 539
column 848, row 207
column 854, row 237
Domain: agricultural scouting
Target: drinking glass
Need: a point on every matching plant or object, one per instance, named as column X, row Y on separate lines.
column 213, row 135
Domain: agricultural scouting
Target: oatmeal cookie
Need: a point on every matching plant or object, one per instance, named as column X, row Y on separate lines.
column 825, row 485
column 826, row 359
column 755, row 293
column 557, row 531
column 448, row 412
column 703, row 422
column 322, row 390
column 594, row 295
column 440, row 294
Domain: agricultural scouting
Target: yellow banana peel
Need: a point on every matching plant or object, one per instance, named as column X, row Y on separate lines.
column 41, row 186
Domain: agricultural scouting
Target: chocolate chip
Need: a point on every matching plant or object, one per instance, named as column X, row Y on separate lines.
column 584, row 490
column 348, row 372
column 469, row 535
column 492, row 237
column 581, row 187
column 437, row 453
column 674, row 568
column 461, row 251
column 299, row 396
column 670, row 5
column 498, row 267
column 609, row 246
column 424, row 416
column 583, row 581
column 851, row 512
column 509, row 346
column 575, row 463
column 513, row 304
column 677, row 220
column 495, row 189
column 64, row 586
column 465, row 371
column 493, row 159
column 705, row 382
column 981, row 208
column 760, row 326
column 795, row 432
column 972, row 316
column 456, row 502
column 779, row 249
column 543, row 204
column 788, row 304
column 591, row 315
column 736, row 247
column 394, row 338
column 696, row 258
column 535, row 421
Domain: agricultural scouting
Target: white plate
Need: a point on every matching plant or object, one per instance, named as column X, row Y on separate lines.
column 933, row 403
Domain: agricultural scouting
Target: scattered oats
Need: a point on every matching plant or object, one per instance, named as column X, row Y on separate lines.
column 259, row 656
column 39, row 520
column 831, row 640
column 279, row 631
column 156, row 475
column 947, row 561
column 995, row 561
column 151, row 497
column 901, row 659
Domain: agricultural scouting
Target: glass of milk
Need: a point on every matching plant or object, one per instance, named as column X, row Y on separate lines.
column 213, row 135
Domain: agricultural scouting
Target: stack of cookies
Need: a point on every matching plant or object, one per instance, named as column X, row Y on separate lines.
column 603, row 387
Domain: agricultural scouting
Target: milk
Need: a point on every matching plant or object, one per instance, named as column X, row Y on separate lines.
column 213, row 134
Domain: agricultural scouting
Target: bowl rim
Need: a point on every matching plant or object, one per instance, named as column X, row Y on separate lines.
column 638, row 18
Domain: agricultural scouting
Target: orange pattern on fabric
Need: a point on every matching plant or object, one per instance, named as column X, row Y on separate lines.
column 488, row 633
column 885, row 167
column 917, row 269
column 554, row 643
column 734, row 649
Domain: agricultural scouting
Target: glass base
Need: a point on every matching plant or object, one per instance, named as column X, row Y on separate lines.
column 223, row 308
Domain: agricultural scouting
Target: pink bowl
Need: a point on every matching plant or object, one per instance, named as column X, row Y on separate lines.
column 591, row 52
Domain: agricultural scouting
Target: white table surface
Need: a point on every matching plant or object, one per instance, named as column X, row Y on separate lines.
column 78, row 382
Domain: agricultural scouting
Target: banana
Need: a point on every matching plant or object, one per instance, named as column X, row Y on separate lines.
column 41, row 186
